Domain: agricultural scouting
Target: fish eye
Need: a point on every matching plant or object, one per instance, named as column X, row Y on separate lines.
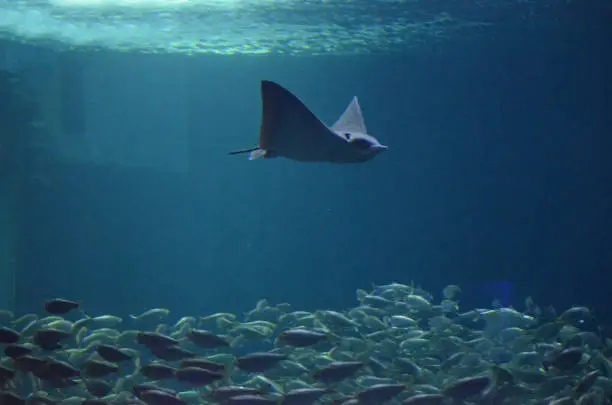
column 361, row 143
column 347, row 136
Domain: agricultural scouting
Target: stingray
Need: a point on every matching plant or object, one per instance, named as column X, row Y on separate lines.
column 290, row 130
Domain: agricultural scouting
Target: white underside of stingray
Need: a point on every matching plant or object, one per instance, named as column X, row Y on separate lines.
column 289, row 129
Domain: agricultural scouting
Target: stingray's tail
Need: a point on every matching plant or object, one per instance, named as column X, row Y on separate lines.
column 241, row 151
column 254, row 153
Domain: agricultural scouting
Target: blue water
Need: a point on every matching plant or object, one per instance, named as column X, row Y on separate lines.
column 497, row 178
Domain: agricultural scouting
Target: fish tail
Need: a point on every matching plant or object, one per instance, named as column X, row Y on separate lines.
column 333, row 338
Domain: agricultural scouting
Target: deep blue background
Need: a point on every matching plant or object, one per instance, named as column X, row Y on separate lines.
column 499, row 169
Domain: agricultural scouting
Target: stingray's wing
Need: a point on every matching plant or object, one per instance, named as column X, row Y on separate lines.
column 351, row 119
column 290, row 129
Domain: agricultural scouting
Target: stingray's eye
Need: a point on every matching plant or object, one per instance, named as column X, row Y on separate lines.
column 361, row 143
column 347, row 136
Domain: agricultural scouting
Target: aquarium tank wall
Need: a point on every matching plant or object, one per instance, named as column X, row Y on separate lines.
column 317, row 202
column 496, row 116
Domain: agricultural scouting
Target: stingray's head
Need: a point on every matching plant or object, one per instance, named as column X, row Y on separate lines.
column 363, row 147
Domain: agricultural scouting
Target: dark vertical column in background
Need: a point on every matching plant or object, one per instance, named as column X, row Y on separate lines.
column 72, row 106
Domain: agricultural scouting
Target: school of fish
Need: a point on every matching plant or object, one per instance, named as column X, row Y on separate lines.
column 395, row 347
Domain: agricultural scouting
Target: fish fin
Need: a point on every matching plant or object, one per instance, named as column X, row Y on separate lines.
column 333, row 338
column 290, row 129
column 351, row 119
column 258, row 154
column 284, row 116
column 361, row 294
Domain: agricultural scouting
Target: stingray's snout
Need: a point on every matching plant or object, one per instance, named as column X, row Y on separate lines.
column 379, row 148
